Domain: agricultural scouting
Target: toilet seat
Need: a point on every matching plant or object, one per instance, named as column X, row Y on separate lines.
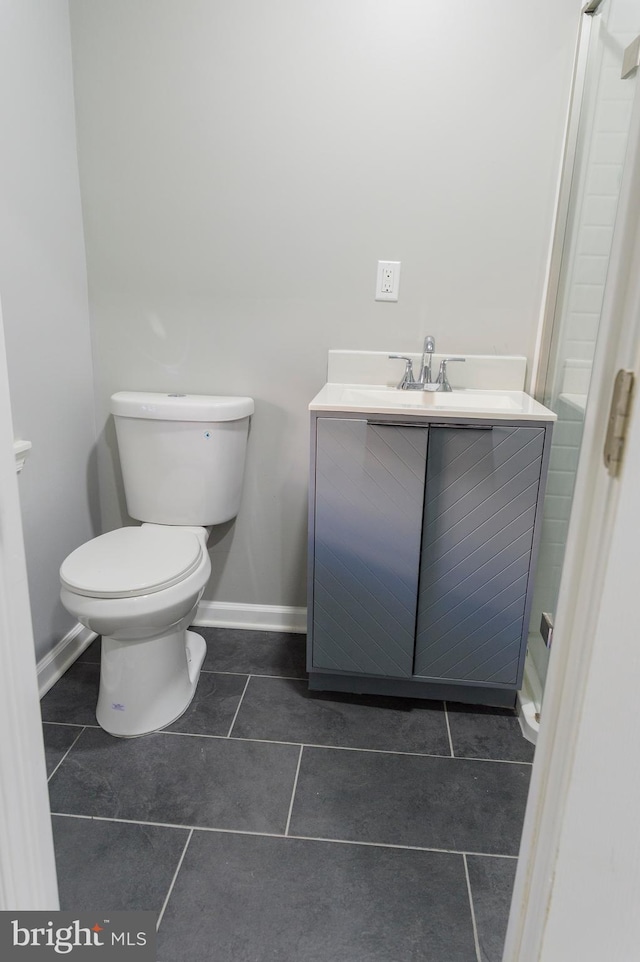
column 131, row 561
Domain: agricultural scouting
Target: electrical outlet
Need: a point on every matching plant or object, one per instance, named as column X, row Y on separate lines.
column 388, row 280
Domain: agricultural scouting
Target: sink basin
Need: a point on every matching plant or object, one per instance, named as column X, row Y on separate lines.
column 464, row 403
column 455, row 400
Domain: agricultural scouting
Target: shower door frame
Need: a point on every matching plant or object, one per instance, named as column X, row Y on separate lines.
column 542, row 358
column 579, row 139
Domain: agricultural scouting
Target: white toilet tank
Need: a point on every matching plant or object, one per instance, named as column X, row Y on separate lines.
column 182, row 455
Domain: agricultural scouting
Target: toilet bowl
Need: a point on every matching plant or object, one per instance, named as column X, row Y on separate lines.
column 139, row 586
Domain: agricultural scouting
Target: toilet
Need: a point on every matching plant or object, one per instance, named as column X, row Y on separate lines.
column 182, row 459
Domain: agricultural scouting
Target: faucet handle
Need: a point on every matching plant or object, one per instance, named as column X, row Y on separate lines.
column 443, row 380
column 407, row 377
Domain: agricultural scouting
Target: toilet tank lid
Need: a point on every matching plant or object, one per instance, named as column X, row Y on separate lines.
column 180, row 407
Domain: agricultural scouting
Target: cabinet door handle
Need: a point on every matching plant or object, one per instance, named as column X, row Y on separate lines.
column 397, row 424
column 458, row 425
column 461, row 426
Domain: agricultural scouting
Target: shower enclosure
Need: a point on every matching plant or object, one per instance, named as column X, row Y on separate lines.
column 595, row 155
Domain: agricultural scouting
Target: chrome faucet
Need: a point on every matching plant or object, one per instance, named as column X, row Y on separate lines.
column 427, row 353
column 408, row 382
column 443, row 380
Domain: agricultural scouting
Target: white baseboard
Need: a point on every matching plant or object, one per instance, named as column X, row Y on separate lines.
column 212, row 614
column 55, row 663
column 221, row 614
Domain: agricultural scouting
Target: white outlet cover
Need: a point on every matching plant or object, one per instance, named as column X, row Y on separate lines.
column 388, row 271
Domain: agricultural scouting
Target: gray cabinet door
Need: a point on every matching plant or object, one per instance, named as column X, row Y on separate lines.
column 368, row 518
column 480, row 505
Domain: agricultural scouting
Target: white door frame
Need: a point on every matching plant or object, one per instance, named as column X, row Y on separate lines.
column 27, row 864
column 595, row 625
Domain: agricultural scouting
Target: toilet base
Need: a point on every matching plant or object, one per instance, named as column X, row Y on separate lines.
column 146, row 685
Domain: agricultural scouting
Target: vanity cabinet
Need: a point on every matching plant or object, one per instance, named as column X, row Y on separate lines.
column 422, row 543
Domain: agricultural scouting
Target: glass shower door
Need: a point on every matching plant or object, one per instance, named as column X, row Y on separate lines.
column 603, row 127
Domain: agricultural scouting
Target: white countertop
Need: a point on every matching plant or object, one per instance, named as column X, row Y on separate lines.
column 460, row 403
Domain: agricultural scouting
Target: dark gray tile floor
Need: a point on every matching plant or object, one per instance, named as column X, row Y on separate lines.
column 283, row 709
column 443, row 803
column 273, row 823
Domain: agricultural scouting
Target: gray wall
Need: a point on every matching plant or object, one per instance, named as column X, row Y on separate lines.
column 44, row 299
column 243, row 167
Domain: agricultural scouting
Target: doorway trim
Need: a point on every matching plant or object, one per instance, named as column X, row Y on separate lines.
column 27, row 862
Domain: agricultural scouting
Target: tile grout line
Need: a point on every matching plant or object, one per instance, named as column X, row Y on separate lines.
column 446, row 718
column 68, row 724
column 65, row 754
column 246, row 685
column 299, row 838
column 256, row 674
column 293, row 792
column 338, row 748
column 473, row 914
column 405, row 848
column 173, row 880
